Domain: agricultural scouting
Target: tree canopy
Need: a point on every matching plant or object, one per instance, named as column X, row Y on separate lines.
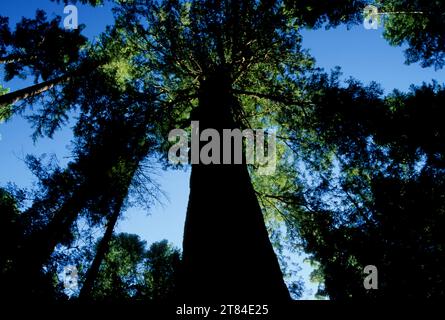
column 361, row 182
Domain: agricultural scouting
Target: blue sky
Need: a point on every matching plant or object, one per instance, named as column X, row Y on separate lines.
column 361, row 53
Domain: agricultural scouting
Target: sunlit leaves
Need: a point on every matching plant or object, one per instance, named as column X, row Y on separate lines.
column 420, row 25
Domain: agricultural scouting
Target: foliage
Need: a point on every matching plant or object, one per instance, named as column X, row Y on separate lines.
column 40, row 46
column 130, row 271
column 371, row 195
column 420, row 25
column 362, row 180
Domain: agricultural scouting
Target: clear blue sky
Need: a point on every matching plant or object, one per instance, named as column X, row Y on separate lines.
column 362, row 54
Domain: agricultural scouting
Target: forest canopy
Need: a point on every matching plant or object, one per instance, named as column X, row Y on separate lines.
column 360, row 177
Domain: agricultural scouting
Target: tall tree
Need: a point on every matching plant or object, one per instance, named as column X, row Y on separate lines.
column 239, row 64
column 376, row 168
column 42, row 49
column 112, row 137
column 215, row 51
column 97, row 182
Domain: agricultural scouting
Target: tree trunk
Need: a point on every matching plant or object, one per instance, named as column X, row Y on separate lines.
column 34, row 90
column 31, row 91
column 101, row 252
column 227, row 254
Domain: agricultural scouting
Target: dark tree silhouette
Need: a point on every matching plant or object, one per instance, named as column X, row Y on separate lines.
column 42, row 47
column 213, row 51
column 112, row 138
column 420, row 26
column 377, row 172
column 365, row 187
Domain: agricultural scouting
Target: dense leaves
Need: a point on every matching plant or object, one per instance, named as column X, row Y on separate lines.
column 131, row 271
column 361, row 181
column 420, row 25
column 373, row 197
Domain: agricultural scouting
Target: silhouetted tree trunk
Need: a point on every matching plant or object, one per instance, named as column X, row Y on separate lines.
column 227, row 254
column 31, row 91
column 101, row 252
column 39, row 88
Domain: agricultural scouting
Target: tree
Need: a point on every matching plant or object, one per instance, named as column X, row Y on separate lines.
column 49, row 52
column 120, row 274
column 112, row 139
column 162, row 267
column 328, row 14
column 97, row 182
column 239, row 44
column 215, row 51
column 376, row 170
column 420, row 26
column 131, row 272
column 235, row 64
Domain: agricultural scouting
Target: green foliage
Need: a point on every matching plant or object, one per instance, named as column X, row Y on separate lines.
column 362, row 177
column 118, row 275
column 360, row 157
column 42, row 47
column 130, row 271
column 420, row 25
column 5, row 111
column 315, row 14
column 161, row 276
